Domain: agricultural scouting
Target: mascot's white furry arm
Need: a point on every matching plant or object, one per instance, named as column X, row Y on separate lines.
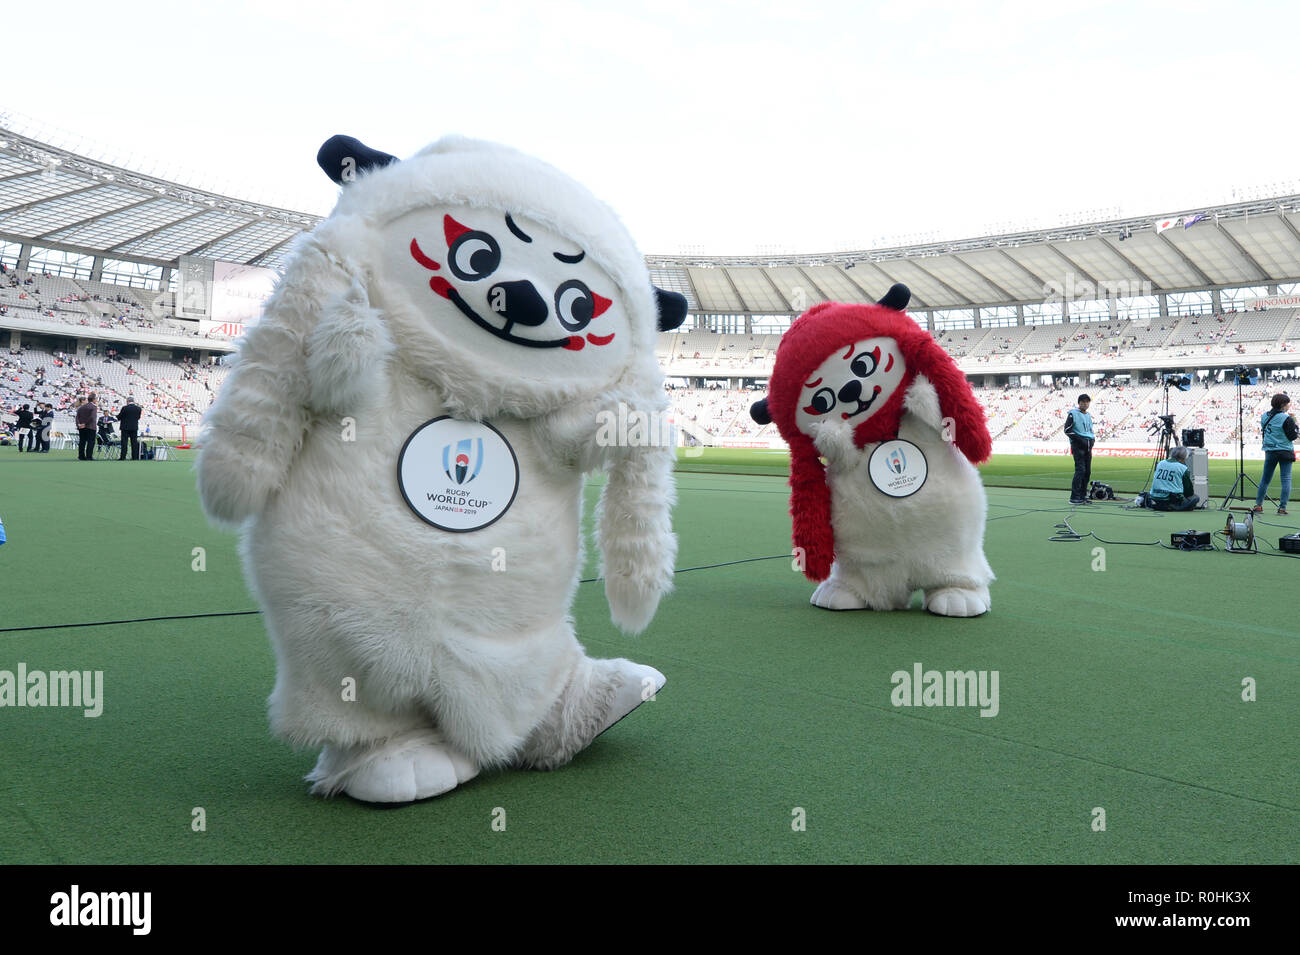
column 403, row 440
column 898, row 505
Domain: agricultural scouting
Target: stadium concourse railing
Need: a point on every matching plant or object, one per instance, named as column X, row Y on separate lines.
column 68, row 327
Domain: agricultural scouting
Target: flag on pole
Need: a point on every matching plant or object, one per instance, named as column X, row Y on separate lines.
column 1190, row 221
column 1163, row 224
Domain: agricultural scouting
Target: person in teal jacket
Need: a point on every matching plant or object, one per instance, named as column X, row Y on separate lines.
column 1078, row 428
column 1171, row 486
column 1280, row 431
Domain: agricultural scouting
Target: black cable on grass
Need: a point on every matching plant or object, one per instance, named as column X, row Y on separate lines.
column 1067, row 534
column 725, row 563
column 110, row 623
column 244, row 613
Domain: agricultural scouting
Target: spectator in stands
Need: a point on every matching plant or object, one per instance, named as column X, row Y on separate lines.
column 87, row 417
column 1280, row 431
column 1078, row 428
column 128, row 416
column 1171, row 485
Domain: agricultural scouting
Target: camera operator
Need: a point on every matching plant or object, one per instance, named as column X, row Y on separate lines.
column 1171, row 487
column 1078, row 428
column 1280, row 431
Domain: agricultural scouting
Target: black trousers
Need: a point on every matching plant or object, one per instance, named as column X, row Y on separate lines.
column 24, row 438
column 135, row 445
column 1176, row 503
column 1082, row 470
column 86, row 444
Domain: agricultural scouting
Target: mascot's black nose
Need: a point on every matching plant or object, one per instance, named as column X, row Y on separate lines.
column 518, row 302
column 852, row 391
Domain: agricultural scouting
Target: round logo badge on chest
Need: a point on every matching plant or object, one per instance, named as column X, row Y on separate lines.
column 897, row 468
column 458, row 475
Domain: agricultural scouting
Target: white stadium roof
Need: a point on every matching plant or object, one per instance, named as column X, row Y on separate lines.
column 53, row 198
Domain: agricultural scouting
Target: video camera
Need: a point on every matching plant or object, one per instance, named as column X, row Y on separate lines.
column 1164, row 424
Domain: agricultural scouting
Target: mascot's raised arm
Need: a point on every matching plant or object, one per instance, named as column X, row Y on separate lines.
column 898, row 505
column 402, row 442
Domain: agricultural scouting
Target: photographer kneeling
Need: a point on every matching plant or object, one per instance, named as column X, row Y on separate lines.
column 1171, row 488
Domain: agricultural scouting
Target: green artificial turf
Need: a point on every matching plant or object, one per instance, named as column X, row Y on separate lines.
column 1119, row 688
column 1049, row 472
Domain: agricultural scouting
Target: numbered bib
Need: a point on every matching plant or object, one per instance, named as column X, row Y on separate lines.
column 897, row 468
column 458, row 476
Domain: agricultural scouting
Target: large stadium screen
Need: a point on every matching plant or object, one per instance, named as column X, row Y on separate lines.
column 239, row 292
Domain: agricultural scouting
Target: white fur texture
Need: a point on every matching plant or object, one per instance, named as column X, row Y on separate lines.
column 886, row 548
column 444, row 648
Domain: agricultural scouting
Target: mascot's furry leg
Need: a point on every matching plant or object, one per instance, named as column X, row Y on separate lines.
column 860, row 589
column 962, row 588
column 638, row 552
column 957, row 579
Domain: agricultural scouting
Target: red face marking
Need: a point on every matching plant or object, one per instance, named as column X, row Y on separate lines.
column 601, row 304
column 453, row 229
column 417, row 253
column 812, row 384
column 809, row 409
column 575, row 343
column 891, row 362
column 848, row 353
column 441, row 286
column 600, row 339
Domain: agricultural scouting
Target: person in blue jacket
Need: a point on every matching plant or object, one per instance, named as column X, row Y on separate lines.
column 1280, row 431
column 1078, row 428
column 1171, row 485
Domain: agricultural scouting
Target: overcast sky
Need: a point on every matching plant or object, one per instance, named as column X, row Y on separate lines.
column 710, row 126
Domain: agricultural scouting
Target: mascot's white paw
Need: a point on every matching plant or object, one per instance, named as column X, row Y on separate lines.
column 956, row 602
column 640, row 683
column 412, row 765
column 833, row 595
column 600, row 693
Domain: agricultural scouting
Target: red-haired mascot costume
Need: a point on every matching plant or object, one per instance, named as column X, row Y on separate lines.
column 898, row 505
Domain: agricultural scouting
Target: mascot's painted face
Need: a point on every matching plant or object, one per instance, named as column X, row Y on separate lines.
column 851, row 384
column 519, row 293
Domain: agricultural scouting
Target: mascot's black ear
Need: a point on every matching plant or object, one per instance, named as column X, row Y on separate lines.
column 672, row 309
column 758, row 411
column 897, row 297
column 342, row 157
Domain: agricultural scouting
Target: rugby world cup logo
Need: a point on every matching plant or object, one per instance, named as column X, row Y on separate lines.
column 897, row 461
column 462, row 461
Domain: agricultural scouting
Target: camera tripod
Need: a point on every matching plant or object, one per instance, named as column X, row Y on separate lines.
column 1163, row 429
column 1242, row 477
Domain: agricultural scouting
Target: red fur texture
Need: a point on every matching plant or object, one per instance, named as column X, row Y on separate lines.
column 812, row 337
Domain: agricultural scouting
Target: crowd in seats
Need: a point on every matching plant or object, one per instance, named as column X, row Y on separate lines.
column 716, row 415
column 172, row 394
column 87, row 304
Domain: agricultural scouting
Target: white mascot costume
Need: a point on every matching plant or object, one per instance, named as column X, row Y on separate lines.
column 898, row 505
column 403, row 441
